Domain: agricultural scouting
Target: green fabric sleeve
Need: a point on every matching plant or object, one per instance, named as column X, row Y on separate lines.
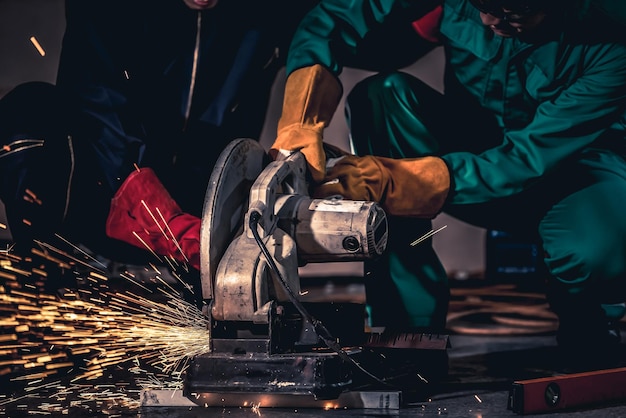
column 589, row 109
column 330, row 33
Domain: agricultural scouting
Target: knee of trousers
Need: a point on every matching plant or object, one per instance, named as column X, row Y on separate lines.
column 33, row 108
column 387, row 108
column 591, row 270
column 383, row 89
column 35, row 163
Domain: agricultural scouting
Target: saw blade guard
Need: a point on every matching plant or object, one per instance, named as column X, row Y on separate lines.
column 226, row 202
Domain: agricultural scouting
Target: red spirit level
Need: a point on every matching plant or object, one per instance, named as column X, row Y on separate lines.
column 567, row 391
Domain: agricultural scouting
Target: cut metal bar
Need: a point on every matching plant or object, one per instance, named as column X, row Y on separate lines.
column 408, row 340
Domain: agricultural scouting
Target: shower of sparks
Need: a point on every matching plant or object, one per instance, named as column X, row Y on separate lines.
column 37, row 45
column 58, row 349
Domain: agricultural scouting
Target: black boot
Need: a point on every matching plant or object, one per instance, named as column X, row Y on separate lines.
column 588, row 341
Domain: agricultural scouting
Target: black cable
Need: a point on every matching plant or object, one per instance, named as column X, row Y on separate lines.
column 321, row 331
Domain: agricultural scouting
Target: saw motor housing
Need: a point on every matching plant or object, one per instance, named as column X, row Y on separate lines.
column 252, row 318
column 296, row 230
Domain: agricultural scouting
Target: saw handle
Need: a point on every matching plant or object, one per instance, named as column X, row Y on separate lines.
column 285, row 176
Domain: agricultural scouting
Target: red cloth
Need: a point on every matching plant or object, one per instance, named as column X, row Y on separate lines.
column 428, row 25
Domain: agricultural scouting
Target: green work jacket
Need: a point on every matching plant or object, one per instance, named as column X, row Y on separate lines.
column 552, row 99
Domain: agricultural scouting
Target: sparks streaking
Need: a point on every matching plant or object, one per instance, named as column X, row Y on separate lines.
column 57, row 348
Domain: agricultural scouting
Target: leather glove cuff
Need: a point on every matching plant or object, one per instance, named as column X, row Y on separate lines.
column 416, row 187
column 312, row 95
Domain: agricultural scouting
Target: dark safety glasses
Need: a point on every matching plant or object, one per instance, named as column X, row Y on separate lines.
column 500, row 10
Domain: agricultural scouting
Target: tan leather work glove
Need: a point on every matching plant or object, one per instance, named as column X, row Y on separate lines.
column 312, row 95
column 415, row 187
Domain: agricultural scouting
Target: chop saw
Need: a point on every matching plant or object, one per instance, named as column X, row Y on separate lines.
column 259, row 226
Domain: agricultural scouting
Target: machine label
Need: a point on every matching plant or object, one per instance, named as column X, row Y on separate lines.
column 336, row 205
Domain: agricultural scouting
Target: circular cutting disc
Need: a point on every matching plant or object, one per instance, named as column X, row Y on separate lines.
column 226, row 203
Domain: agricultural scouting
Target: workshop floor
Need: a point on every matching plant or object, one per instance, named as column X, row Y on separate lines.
column 499, row 333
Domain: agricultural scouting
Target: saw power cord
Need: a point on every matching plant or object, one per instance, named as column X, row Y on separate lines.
column 321, row 331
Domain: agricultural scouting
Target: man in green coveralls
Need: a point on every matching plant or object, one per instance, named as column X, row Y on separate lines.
column 528, row 136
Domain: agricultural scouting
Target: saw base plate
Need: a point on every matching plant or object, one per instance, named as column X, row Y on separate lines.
column 323, row 375
column 379, row 400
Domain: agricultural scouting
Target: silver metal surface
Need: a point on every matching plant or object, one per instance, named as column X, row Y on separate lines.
column 383, row 400
column 226, row 202
column 244, row 284
column 295, row 229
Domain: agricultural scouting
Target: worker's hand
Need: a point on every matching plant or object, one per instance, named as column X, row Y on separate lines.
column 306, row 140
column 311, row 98
column 144, row 214
column 415, row 187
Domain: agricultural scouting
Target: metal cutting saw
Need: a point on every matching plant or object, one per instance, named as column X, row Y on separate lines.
column 259, row 227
